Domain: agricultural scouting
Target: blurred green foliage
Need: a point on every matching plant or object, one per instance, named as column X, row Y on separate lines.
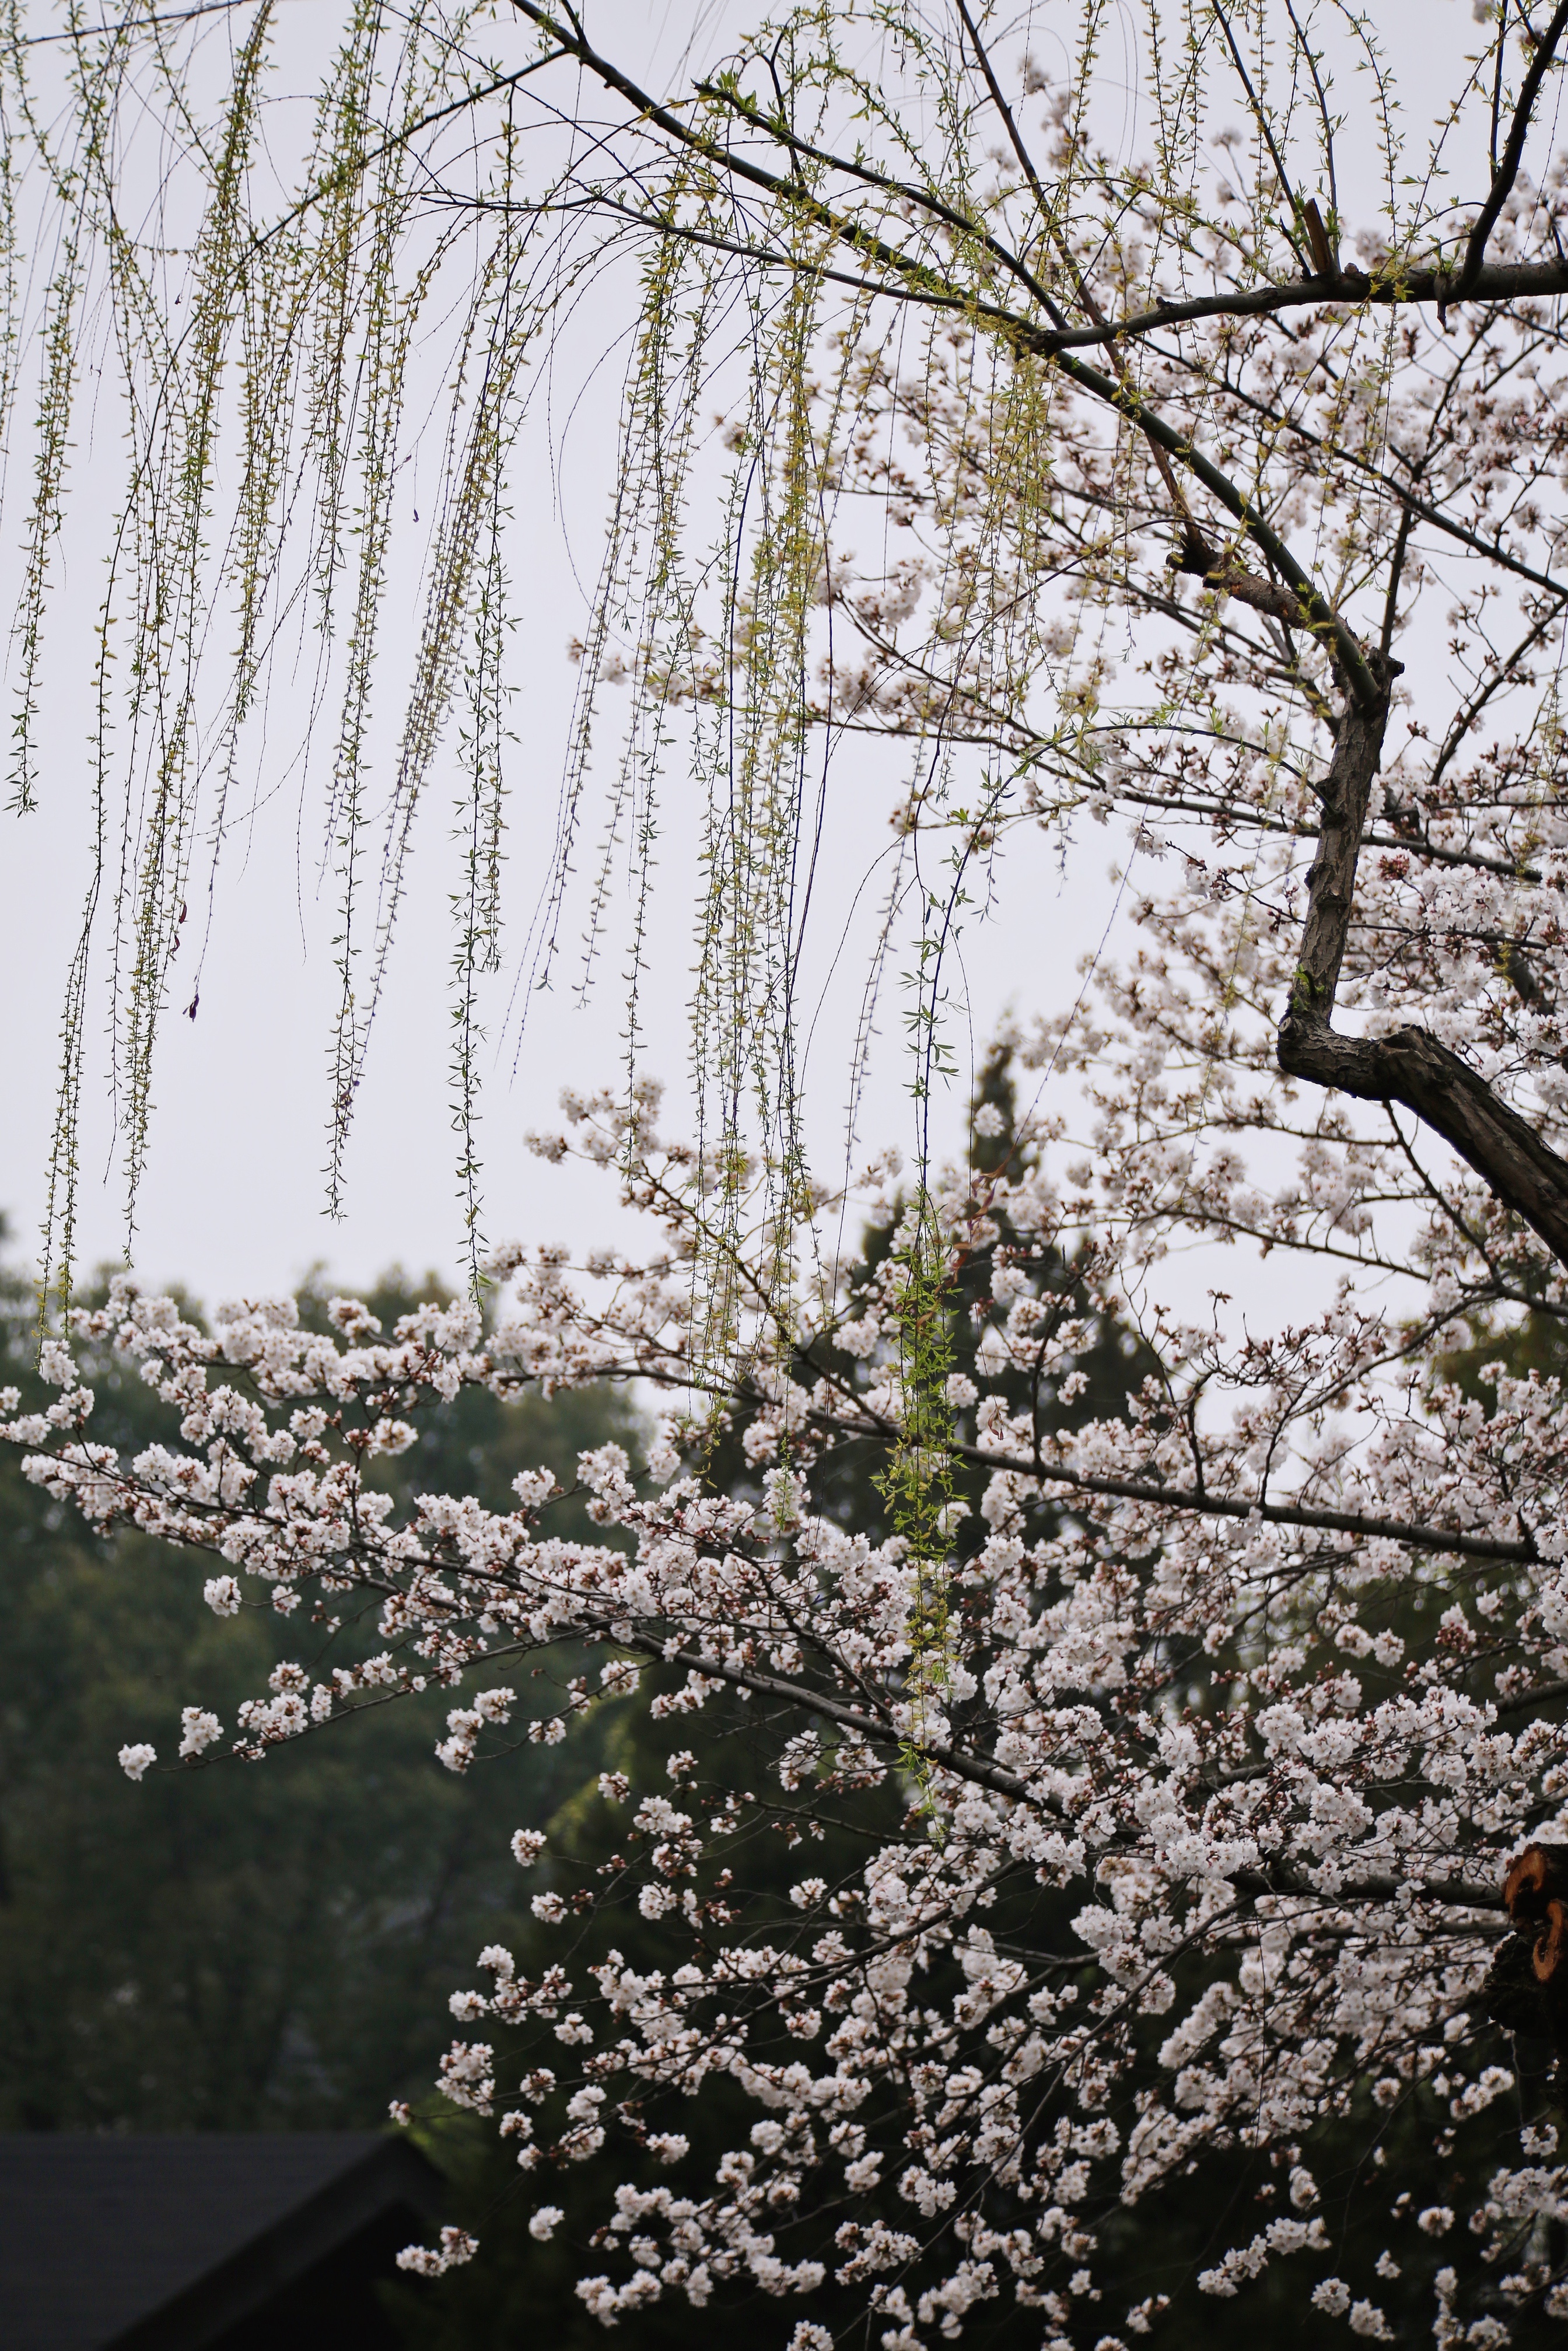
column 248, row 1946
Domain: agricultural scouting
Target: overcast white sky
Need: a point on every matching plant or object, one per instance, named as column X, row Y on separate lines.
column 234, row 1197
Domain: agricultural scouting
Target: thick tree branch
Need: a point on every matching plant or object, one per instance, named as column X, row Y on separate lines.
column 1408, row 1066
column 1512, row 155
column 1299, row 602
column 1279, row 1879
column 1187, row 1500
column 1345, row 795
column 871, row 1727
column 1315, row 612
column 1393, row 289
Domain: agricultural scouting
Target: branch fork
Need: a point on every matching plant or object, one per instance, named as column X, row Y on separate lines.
column 1409, row 1065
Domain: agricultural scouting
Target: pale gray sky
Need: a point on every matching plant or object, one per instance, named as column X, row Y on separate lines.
column 234, row 1197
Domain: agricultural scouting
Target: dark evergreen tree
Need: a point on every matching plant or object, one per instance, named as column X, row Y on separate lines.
column 253, row 1946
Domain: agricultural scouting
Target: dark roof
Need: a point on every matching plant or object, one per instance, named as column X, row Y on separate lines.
column 166, row 2244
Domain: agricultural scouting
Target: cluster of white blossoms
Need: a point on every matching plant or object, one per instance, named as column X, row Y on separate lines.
column 1217, row 1791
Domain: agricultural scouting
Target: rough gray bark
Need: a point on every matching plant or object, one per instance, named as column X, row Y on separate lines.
column 1408, row 1066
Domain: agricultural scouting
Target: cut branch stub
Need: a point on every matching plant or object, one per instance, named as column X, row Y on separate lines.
column 1526, row 1989
column 1534, row 1893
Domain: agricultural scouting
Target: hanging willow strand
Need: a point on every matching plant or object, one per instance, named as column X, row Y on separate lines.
column 289, row 338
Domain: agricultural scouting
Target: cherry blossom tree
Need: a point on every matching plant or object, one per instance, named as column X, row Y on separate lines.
column 1196, row 1814
column 1195, row 1801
